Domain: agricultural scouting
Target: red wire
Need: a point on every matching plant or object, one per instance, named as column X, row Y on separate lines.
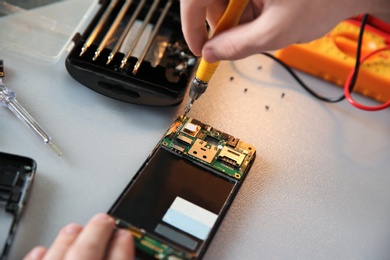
column 348, row 83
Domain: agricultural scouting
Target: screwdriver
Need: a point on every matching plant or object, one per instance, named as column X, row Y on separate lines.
column 152, row 36
column 8, row 99
column 206, row 70
column 140, row 32
column 98, row 27
column 112, row 29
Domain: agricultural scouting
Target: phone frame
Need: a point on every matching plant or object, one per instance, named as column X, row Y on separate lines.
column 151, row 185
column 16, row 176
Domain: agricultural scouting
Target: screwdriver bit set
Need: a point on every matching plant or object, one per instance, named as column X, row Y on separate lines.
column 134, row 51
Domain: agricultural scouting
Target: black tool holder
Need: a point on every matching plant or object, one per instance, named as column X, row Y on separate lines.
column 161, row 84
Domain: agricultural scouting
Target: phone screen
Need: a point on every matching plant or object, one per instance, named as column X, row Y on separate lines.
column 176, row 201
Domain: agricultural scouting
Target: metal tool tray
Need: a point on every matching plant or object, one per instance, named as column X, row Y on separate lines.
column 157, row 83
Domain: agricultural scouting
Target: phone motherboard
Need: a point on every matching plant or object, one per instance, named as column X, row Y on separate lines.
column 216, row 149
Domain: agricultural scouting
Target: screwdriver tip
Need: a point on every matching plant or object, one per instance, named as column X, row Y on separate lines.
column 123, row 63
column 83, row 50
column 136, row 67
column 97, row 53
column 55, row 148
column 188, row 106
column 109, row 58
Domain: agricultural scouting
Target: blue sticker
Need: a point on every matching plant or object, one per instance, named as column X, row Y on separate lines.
column 190, row 218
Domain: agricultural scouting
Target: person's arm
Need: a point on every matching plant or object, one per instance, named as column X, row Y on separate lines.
column 268, row 24
column 97, row 240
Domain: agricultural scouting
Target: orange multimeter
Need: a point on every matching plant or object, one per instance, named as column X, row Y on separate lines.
column 332, row 57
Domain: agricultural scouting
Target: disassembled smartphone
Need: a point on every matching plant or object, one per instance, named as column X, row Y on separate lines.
column 178, row 198
column 16, row 176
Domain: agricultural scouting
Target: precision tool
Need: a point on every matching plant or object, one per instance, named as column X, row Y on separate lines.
column 206, row 70
column 125, row 31
column 8, row 99
column 144, row 24
column 152, row 36
column 98, row 27
column 112, row 29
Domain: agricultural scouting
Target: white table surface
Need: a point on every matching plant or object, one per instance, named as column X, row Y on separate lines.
column 319, row 188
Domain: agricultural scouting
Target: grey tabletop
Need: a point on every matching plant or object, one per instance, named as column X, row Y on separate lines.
column 319, row 188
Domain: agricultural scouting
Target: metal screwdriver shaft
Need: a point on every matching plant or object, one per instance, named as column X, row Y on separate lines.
column 141, row 30
column 98, row 27
column 152, row 36
column 8, row 99
column 206, row 70
column 112, row 29
column 125, row 31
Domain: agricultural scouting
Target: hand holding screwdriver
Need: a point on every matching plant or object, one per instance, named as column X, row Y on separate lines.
column 268, row 25
column 206, row 70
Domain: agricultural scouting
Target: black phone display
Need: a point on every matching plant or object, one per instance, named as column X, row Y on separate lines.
column 175, row 203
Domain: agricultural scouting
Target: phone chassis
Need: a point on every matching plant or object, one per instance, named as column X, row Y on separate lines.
column 16, row 175
column 175, row 203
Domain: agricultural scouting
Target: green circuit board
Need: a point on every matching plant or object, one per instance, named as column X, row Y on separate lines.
column 156, row 248
column 203, row 143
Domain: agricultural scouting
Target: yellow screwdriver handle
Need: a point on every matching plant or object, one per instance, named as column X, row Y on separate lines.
column 229, row 19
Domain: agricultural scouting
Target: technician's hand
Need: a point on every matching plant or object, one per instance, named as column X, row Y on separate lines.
column 95, row 241
column 268, row 24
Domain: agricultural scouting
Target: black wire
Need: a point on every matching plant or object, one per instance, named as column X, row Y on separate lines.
column 358, row 53
column 354, row 76
column 303, row 85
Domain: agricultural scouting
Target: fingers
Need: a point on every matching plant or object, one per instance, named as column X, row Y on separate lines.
column 64, row 240
column 193, row 18
column 262, row 34
column 277, row 24
column 93, row 240
column 122, row 246
column 265, row 25
column 194, row 14
column 215, row 11
column 61, row 244
column 37, row 253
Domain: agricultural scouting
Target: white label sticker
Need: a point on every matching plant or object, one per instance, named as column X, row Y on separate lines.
column 190, row 218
